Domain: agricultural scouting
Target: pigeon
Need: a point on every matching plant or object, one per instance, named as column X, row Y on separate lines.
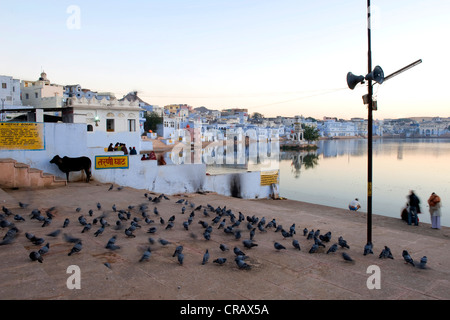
column 207, row 235
column 23, row 205
column 343, row 243
column 18, row 217
column 296, row 244
column 325, row 237
column 220, row 261
column 180, row 258
column 111, row 187
column 318, row 242
column 305, row 232
column 99, row 206
column 47, row 222
column 99, row 231
column 423, row 262
column 310, row 235
column 242, row 264
column 163, row 242
column 35, row 256
column 186, row 225
column 178, row 250
column 91, row 212
column 279, row 246
column 146, row 255
column 346, row 257
column 78, row 209
column 152, row 230
column 9, row 236
column 292, row 229
column 205, row 257
column 180, row 201
column 314, row 248
column 76, row 248
column 107, row 264
column 111, row 244
column 82, row 220
column 249, row 244
column 86, row 227
column 223, row 247
column 66, row 222
column 368, row 249
column 408, row 258
column 238, row 251
column 237, row 234
column 386, row 253
column 54, row 233
column 129, row 232
column 44, row 249
column 169, row 225
column 332, row 248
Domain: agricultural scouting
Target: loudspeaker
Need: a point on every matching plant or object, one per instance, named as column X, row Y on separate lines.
column 376, row 75
column 353, row 80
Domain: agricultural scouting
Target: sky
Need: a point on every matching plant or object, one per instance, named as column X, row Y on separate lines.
column 278, row 58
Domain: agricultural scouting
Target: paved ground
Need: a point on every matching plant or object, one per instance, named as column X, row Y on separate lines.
column 274, row 275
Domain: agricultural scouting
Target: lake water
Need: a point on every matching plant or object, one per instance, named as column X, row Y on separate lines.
column 336, row 172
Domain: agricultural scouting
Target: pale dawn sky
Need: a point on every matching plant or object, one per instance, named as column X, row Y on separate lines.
column 284, row 57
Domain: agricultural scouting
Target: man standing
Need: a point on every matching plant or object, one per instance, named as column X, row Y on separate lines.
column 414, row 208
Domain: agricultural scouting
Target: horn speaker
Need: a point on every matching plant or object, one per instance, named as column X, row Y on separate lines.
column 353, row 80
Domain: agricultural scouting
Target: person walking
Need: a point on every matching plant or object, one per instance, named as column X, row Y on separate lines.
column 414, row 208
column 434, row 201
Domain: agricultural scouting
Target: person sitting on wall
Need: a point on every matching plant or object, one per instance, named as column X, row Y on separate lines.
column 144, row 157
column 124, row 149
column 133, row 151
column 152, row 155
column 111, row 148
column 161, row 161
column 354, row 205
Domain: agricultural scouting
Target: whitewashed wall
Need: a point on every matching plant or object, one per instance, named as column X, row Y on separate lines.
column 72, row 140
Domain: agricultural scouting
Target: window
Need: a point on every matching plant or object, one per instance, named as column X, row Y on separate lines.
column 110, row 125
column 27, row 96
column 90, row 127
column 131, row 125
column 3, row 85
column 36, row 95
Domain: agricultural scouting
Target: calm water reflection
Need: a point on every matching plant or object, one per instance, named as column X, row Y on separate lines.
column 338, row 173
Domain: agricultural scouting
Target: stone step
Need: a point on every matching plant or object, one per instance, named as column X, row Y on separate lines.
column 15, row 174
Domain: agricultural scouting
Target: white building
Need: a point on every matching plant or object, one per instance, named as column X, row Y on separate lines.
column 9, row 94
column 42, row 94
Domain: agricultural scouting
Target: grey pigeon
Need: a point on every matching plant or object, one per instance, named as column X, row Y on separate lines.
column 368, row 249
column 205, row 257
column 238, row 251
column 66, row 222
column 386, row 253
column 296, row 244
column 343, row 243
column 178, row 250
column 223, row 247
column 54, row 233
column 242, row 264
column 99, row 231
column 107, row 264
column 314, row 248
column 305, row 232
column 310, row 234
column 44, row 249
column 163, row 242
column 35, row 256
column 279, row 246
column 408, row 258
column 249, row 244
column 423, row 262
column 332, row 248
column 180, row 258
column 86, row 227
column 325, row 237
column 220, row 261
column 146, row 255
column 76, row 248
column 346, row 257
column 112, row 244
column 18, row 217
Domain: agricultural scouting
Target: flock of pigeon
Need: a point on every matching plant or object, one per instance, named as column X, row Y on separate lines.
column 136, row 218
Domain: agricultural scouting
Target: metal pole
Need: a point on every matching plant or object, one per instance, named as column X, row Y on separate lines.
column 369, row 132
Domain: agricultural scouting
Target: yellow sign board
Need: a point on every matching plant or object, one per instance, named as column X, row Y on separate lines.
column 111, row 162
column 269, row 177
column 21, row 136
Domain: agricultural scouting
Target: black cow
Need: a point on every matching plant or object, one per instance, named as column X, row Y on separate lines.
column 67, row 164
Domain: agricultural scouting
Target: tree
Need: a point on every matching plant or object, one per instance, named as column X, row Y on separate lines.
column 311, row 134
column 152, row 119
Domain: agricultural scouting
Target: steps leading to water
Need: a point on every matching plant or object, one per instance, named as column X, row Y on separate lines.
column 15, row 174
